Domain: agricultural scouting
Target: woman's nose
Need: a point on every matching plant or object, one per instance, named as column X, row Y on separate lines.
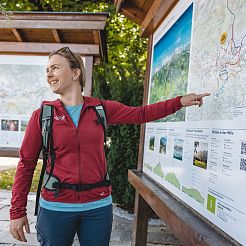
column 49, row 74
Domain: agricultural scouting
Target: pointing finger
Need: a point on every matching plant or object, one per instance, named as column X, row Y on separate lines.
column 203, row 95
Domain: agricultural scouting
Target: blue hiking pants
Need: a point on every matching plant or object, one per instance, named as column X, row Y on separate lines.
column 93, row 227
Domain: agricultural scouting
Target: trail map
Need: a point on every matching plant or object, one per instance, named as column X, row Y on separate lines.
column 199, row 153
column 218, row 59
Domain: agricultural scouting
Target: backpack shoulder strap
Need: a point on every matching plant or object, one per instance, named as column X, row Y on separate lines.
column 102, row 119
column 101, row 116
column 46, row 121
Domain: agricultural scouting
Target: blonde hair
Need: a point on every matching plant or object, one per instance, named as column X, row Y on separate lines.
column 75, row 61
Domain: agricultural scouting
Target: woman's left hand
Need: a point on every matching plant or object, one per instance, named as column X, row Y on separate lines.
column 193, row 99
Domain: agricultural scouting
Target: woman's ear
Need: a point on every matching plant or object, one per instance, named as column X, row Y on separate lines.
column 77, row 73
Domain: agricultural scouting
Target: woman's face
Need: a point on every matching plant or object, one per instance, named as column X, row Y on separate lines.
column 59, row 74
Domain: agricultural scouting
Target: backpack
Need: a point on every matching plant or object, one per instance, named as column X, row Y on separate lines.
column 46, row 122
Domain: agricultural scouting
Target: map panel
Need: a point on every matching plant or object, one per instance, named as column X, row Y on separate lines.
column 199, row 154
column 218, row 59
column 23, row 88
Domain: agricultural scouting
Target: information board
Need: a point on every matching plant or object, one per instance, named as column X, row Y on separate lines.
column 23, row 86
column 199, row 153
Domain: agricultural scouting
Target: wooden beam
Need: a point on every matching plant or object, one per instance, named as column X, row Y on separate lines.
column 151, row 13
column 12, row 152
column 140, row 3
column 103, row 45
column 56, row 36
column 118, row 4
column 52, row 24
column 17, row 35
column 46, row 48
column 9, row 152
column 156, row 14
column 96, row 36
column 185, row 224
column 133, row 13
column 63, row 16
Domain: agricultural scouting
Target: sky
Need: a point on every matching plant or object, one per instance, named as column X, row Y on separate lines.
column 176, row 37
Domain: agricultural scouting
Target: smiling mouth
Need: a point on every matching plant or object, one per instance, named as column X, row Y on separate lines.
column 53, row 82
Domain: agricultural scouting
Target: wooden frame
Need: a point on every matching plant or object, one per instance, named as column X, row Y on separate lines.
column 188, row 226
column 156, row 14
column 184, row 223
column 39, row 33
column 134, row 10
column 28, row 48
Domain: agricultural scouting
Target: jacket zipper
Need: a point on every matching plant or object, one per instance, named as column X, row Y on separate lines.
column 78, row 147
column 78, row 150
column 79, row 160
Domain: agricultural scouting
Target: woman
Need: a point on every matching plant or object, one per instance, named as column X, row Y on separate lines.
column 78, row 142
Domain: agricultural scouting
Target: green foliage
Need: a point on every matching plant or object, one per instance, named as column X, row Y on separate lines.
column 55, row 5
column 121, row 79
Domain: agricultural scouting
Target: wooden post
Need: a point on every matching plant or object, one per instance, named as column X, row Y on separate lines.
column 145, row 101
column 141, row 209
column 88, row 72
column 140, row 223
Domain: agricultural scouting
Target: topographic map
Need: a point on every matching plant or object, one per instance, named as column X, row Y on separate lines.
column 218, row 59
column 23, row 88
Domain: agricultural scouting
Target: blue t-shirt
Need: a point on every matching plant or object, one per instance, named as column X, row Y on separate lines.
column 74, row 113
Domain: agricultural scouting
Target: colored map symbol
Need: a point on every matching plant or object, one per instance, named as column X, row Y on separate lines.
column 223, row 37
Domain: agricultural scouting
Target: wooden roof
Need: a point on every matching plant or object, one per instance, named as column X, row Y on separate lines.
column 39, row 33
column 146, row 13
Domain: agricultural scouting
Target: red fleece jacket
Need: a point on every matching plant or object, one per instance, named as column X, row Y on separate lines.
column 80, row 156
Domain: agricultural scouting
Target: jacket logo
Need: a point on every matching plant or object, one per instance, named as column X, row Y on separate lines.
column 59, row 117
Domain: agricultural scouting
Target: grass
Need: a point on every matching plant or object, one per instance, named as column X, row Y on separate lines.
column 7, row 178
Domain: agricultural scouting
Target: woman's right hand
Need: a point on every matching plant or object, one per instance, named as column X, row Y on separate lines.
column 193, row 99
column 16, row 228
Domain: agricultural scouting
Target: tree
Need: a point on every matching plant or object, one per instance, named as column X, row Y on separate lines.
column 122, row 80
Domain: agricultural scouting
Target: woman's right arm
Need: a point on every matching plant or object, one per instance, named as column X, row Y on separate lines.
column 29, row 153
